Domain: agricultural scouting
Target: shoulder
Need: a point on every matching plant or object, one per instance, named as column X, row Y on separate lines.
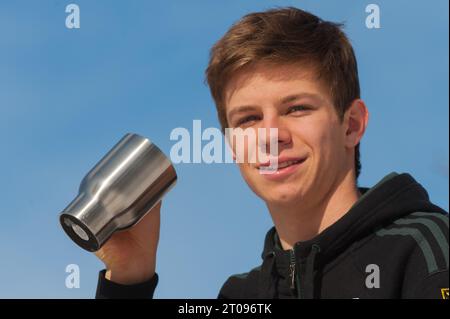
column 241, row 285
column 411, row 252
column 423, row 235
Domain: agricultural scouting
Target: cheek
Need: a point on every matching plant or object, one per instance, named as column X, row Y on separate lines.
column 331, row 144
column 309, row 137
column 320, row 136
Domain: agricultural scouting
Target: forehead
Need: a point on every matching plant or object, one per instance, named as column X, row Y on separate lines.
column 267, row 81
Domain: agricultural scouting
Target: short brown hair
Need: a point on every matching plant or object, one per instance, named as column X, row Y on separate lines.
column 287, row 35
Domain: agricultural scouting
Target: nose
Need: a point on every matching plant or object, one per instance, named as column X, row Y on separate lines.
column 275, row 132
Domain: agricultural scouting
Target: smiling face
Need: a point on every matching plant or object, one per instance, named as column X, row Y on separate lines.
column 314, row 151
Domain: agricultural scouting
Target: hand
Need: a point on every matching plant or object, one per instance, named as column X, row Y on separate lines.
column 130, row 255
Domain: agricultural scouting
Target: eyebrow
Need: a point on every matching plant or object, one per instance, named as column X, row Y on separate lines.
column 284, row 100
column 294, row 97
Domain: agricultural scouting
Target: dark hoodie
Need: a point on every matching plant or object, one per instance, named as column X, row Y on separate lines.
column 392, row 243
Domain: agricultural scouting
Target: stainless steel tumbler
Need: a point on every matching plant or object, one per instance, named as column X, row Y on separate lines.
column 116, row 194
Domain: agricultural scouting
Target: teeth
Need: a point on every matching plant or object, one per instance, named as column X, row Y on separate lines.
column 275, row 167
column 286, row 164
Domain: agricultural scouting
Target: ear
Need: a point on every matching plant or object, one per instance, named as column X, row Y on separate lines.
column 355, row 121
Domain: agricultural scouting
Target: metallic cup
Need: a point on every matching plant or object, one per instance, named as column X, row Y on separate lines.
column 117, row 193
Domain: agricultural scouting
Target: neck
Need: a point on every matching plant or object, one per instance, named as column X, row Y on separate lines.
column 296, row 222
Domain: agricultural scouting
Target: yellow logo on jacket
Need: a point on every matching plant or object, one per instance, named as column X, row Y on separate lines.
column 444, row 292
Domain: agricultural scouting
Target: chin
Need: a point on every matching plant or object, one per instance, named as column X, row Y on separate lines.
column 281, row 195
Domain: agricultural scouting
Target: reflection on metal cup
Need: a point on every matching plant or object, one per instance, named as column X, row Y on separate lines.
column 117, row 193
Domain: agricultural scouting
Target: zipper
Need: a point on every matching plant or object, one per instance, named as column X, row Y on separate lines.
column 292, row 267
column 300, row 282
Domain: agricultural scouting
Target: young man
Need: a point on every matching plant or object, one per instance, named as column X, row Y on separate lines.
column 290, row 70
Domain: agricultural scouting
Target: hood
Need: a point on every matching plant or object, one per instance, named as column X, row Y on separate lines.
column 396, row 195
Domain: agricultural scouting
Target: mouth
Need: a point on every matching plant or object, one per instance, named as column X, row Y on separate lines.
column 284, row 166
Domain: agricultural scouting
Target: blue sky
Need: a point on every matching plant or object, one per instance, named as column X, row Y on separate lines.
column 66, row 96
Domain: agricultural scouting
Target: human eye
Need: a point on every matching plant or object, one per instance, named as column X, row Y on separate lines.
column 247, row 120
column 296, row 109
